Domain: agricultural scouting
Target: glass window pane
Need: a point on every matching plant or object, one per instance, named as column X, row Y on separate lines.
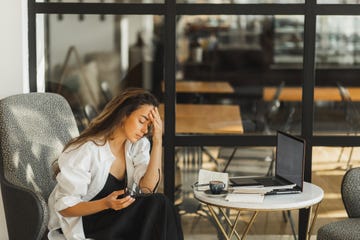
column 327, row 173
column 102, row 1
column 247, row 161
column 337, row 94
column 239, row 74
column 338, row 1
column 236, row 161
column 90, row 59
column 240, row 1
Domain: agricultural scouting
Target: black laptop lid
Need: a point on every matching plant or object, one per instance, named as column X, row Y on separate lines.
column 290, row 158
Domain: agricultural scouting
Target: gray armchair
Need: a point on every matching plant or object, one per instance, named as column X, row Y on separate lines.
column 33, row 130
column 348, row 229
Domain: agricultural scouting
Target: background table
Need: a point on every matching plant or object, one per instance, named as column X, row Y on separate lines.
column 206, row 118
column 320, row 93
column 203, row 91
column 203, row 87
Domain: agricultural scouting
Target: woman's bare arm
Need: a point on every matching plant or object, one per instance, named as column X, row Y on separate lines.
column 153, row 173
column 91, row 207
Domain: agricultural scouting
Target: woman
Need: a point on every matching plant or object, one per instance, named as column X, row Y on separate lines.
column 111, row 156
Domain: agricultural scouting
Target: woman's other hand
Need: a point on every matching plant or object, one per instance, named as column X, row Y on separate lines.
column 114, row 202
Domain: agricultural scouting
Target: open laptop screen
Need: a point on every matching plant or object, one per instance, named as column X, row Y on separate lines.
column 290, row 153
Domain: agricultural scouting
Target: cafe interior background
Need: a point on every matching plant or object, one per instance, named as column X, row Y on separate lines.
column 89, row 57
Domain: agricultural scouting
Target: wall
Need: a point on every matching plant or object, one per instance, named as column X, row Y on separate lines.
column 13, row 61
column 13, row 45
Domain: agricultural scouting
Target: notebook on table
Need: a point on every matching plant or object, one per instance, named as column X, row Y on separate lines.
column 289, row 166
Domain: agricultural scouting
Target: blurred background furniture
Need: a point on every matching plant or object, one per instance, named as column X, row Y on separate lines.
column 349, row 228
column 34, row 128
column 90, row 112
column 264, row 112
column 352, row 117
column 88, row 85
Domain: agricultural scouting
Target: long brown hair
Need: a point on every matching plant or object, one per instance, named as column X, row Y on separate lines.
column 102, row 127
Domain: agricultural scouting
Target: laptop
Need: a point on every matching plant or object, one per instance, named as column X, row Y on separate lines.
column 289, row 166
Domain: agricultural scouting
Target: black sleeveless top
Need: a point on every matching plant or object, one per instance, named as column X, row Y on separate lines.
column 112, row 184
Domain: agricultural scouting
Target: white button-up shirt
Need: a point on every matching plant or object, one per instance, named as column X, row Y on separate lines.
column 83, row 174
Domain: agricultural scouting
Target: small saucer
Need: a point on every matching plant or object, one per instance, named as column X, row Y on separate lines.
column 223, row 193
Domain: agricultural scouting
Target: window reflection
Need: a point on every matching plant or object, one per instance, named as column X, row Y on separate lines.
column 236, row 161
column 240, row 1
column 102, row 1
column 90, row 60
column 337, row 53
column 338, row 40
column 243, row 62
column 251, row 64
column 328, row 169
column 208, row 1
column 338, row 1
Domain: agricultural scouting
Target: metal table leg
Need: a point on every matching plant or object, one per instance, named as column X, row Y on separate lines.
column 228, row 235
column 312, row 220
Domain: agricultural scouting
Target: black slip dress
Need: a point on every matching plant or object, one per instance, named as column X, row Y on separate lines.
column 150, row 217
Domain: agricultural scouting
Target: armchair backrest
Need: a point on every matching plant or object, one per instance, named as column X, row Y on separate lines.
column 34, row 128
column 350, row 192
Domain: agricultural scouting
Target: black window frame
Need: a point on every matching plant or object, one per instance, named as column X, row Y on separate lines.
column 170, row 9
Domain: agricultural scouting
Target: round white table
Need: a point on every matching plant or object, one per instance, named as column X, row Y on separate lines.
column 310, row 197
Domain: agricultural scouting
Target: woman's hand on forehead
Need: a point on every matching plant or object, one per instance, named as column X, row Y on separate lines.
column 156, row 121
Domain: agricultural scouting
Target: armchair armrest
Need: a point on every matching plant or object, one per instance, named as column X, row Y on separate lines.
column 24, row 212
